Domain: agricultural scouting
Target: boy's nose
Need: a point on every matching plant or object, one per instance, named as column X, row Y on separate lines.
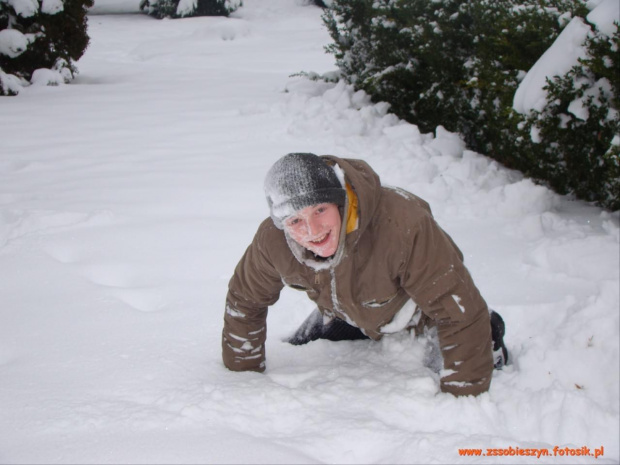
column 313, row 226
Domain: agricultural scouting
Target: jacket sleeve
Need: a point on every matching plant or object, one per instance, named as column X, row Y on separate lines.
column 437, row 280
column 254, row 286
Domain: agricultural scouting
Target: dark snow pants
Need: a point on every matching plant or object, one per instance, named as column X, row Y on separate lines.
column 339, row 330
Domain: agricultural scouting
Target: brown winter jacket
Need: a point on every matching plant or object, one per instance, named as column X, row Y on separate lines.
column 397, row 258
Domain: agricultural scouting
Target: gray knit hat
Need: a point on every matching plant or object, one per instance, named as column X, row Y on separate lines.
column 298, row 180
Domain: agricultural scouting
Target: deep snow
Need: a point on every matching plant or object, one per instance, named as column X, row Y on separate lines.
column 127, row 197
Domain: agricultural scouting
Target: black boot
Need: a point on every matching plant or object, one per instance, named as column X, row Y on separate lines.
column 498, row 329
column 336, row 330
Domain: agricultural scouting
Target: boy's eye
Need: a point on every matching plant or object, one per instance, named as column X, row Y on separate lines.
column 293, row 221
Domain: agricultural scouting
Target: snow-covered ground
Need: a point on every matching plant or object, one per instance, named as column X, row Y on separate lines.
column 127, row 198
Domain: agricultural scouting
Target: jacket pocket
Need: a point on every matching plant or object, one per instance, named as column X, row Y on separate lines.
column 298, row 286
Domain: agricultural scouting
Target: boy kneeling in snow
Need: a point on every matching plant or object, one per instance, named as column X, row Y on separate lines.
column 372, row 258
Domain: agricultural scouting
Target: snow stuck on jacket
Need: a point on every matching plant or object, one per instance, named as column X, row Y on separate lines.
column 127, row 198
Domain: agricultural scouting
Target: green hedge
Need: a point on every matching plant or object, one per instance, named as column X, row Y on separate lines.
column 54, row 39
column 459, row 63
column 575, row 147
column 186, row 8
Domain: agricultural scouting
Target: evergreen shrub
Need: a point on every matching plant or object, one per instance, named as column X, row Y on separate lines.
column 458, row 64
column 34, row 35
column 186, row 8
column 574, row 142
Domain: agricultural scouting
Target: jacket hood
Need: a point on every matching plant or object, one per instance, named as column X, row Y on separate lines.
column 366, row 185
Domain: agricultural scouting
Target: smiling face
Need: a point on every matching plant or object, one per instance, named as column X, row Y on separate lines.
column 317, row 228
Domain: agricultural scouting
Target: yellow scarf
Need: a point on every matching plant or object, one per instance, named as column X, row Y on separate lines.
column 352, row 214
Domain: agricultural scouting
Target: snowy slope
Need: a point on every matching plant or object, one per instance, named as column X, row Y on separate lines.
column 127, row 197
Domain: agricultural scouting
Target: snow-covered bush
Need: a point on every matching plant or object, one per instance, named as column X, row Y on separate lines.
column 184, row 8
column 442, row 62
column 40, row 41
column 508, row 37
column 573, row 141
column 320, row 3
column 458, row 64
